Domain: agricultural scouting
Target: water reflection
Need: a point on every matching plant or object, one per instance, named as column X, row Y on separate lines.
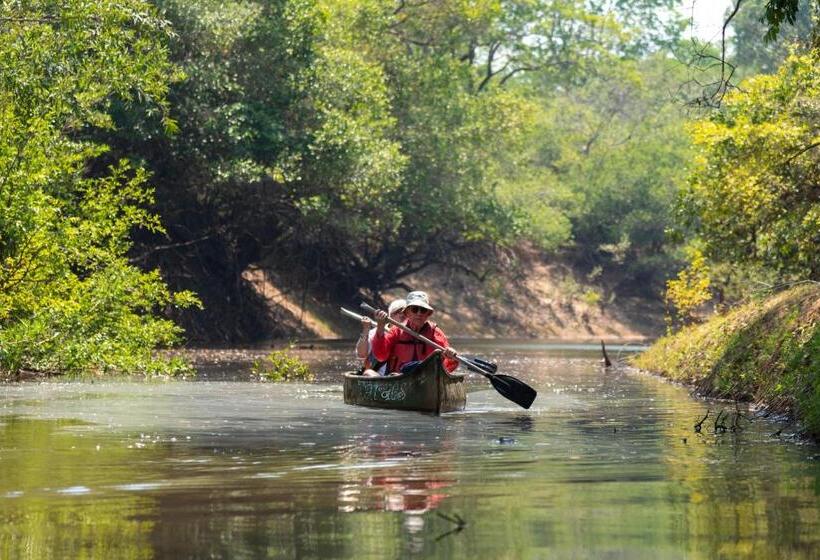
column 605, row 464
column 389, row 475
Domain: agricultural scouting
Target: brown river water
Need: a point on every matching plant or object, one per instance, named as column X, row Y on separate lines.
column 606, row 464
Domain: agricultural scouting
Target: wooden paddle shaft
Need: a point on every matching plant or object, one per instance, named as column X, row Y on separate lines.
column 391, row 321
column 349, row 313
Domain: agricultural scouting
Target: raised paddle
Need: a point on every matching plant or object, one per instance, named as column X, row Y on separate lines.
column 508, row 386
column 475, row 361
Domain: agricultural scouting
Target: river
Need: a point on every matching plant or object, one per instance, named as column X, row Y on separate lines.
column 606, row 464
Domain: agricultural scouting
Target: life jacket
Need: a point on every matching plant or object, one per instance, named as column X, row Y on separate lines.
column 409, row 349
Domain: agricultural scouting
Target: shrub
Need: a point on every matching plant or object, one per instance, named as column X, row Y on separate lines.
column 281, row 365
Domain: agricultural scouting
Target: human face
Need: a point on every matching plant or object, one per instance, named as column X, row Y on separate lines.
column 398, row 316
column 416, row 315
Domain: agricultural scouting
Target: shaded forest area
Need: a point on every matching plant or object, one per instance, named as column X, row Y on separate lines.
column 153, row 151
column 351, row 145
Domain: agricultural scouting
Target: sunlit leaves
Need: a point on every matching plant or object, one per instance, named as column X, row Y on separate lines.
column 69, row 300
column 690, row 288
column 754, row 196
column 607, row 160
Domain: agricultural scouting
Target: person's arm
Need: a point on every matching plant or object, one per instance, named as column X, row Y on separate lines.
column 383, row 342
column 449, row 361
column 361, row 343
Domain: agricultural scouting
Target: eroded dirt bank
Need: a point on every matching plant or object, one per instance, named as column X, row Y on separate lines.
column 540, row 300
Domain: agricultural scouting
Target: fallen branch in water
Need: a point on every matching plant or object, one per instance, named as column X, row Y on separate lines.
column 607, row 363
column 720, row 426
column 736, row 427
column 699, row 425
column 456, row 519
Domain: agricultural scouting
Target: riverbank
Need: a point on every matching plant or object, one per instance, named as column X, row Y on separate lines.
column 766, row 351
column 540, row 297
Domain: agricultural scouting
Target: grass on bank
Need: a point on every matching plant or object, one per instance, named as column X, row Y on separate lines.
column 766, row 350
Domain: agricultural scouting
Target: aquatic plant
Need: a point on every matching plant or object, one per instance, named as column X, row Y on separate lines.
column 282, row 365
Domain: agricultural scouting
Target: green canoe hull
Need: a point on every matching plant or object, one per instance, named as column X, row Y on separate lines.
column 428, row 388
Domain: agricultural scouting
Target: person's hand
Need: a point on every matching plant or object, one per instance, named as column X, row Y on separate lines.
column 449, row 353
column 381, row 318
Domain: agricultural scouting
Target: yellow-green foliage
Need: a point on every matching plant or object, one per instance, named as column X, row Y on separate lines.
column 765, row 350
column 281, row 365
column 752, row 195
column 71, row 299
column 591, row 297
column 691, row 287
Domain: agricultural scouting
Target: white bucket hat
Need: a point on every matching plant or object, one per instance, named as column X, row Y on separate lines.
column 419, row 299
column 396, row 306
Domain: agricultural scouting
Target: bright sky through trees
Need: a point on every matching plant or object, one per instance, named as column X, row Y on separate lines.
column 707, row 17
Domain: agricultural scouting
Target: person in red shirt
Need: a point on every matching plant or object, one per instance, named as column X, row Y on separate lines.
column 401, row 350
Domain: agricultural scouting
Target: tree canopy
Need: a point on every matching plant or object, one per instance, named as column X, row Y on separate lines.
column 366, row 138
column 152, row 148
column 69, row 298
column 754, row 196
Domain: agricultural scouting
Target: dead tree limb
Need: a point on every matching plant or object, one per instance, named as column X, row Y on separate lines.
column 607, row 363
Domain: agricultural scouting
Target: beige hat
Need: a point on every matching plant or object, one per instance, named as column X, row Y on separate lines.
column 418, row 298
column 396, row 306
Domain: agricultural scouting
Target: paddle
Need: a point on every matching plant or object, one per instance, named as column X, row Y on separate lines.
column 508, row 386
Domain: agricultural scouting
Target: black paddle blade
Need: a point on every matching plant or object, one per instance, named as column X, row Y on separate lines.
column 484, row 364
column 510, row 387
column 473, row 366
column 513, row 389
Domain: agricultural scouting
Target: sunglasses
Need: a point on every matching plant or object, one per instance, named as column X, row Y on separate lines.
column 417, row 309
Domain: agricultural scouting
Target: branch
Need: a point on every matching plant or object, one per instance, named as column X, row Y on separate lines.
column 405, row 39
column 488, row 75
column 800, row 153
column 714, row 92
column 723, row 77
column 43, row 19
column 515, row 71
column 158, row 248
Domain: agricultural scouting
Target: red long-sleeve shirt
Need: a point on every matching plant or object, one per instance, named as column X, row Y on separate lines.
column 397, row 347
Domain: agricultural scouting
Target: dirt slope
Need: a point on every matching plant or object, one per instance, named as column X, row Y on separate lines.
column 542, row 300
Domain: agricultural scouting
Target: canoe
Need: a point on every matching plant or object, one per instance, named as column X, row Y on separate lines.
column 428, row 388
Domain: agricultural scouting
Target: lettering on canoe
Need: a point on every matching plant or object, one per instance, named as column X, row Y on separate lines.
column 384, row 391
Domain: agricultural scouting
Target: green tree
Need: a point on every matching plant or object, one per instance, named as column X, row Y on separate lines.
column 755, row 29
column 352, row 143
column 776, row 12
column 284, row 153
column 608, row 159
column 69, row 298
column 466, row 79
column 751, row 54
column 753, row 196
